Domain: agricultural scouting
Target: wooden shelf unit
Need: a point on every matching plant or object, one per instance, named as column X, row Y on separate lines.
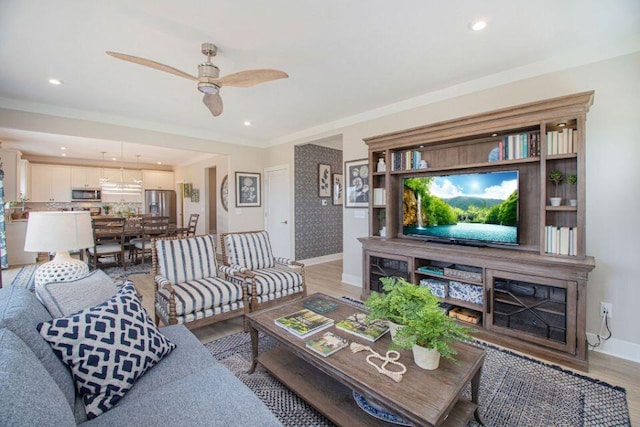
column 463, row 146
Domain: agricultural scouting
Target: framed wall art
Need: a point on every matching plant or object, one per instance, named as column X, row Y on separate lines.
column 224, row 193
column 186, row 190
column 338, row 188
column 324, row 180
column 356, row 174
column 195, row 195
column 247, row 189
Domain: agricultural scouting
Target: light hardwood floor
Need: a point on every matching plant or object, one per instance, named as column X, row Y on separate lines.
column 325, row 278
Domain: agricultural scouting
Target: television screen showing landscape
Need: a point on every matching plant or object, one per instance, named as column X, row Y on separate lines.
column 468, row 207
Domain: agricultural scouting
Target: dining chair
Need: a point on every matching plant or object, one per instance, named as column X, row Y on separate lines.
column 108, row 242
column 193, row 223
column 150, row 227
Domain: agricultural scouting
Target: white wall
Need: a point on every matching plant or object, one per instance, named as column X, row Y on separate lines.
column 613, row 150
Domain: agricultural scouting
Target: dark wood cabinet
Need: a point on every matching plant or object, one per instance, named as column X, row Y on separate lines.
column 550, row 261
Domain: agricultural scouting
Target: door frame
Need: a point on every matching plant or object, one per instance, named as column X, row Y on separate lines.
column 267, row 207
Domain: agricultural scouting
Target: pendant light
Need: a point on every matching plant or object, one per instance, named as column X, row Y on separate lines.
column 103, row 178
column 122, row 187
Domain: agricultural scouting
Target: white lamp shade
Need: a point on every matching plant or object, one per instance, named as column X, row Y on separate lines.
column 58, row 231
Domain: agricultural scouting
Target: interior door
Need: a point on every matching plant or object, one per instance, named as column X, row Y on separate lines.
column 277, row 210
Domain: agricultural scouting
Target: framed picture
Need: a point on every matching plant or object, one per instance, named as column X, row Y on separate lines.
column 338, row 188
column 356, row 174
column 247, row 189
column 324, row 180
column 195, row 195
column 224, row 193
column 187, row 190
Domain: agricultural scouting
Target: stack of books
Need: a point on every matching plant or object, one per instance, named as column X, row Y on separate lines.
column 304, row 323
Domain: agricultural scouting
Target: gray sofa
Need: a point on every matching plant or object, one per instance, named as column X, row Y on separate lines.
column 188, row 387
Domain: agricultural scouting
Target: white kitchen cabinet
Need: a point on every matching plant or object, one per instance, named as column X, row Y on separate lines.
column 158, row 180
column 125, row 176
column 85, row 177
column 10, row 160
column 50, row 183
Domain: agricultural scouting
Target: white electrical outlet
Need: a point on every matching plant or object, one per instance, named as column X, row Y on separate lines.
column 606, row 308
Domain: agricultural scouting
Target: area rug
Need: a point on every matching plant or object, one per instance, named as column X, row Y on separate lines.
column 25, row 277
column 514, row 391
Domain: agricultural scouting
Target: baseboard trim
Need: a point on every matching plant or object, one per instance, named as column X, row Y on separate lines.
column 616, row 347
column 350, row 279
column 321, row 259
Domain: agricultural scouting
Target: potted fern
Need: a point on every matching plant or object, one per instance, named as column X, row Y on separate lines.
column 399, row 299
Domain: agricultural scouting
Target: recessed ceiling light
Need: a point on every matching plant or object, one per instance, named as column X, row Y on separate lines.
column 64, row 154
column 247, row 123
column 494, row 134
column 114, row 159
column 63, row 148
column 158, row 163
column 56, row 81
column 561, row 125
column 478, row 25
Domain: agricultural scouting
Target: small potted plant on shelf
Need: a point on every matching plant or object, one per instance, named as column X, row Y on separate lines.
column 573, row 180
column 556, row 177
column 106, row 209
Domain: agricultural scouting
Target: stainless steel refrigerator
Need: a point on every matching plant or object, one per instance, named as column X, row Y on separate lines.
column 161, row 203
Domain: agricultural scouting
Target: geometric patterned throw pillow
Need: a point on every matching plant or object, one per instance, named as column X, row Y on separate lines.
column 108, row 347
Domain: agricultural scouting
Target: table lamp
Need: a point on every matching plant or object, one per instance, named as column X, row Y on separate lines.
column 59, row 232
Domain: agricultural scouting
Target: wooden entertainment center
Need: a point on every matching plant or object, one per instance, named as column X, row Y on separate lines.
column 530, row 296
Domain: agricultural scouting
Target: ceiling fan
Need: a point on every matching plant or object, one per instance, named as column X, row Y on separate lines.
column 208, row 78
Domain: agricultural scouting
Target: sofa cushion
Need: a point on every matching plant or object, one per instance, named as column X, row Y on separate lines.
column 30, row 397
column 272, row 280
column 183, row 260
column 211, row 397
column 249, row 250
column 202, row 294
column 20, row 312
column 107, row 347
column 64, row 298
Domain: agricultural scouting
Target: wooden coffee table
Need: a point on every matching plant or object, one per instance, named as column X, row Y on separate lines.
column 430, row 398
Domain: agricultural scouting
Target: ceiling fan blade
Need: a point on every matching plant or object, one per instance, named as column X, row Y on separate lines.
column 152, row 64
column 213, row 103
column 249, row 78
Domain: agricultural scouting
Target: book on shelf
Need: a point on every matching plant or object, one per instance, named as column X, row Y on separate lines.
column 327, row 344
column 431, row 270
column 406, row 160
column 519, row 146
column 562, row 141
column 561, row 240
column 379, row 196
column 304, row 323
column 358, row 325
column 319, row 305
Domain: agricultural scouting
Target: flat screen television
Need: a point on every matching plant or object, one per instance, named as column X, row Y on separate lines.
column 470, row 208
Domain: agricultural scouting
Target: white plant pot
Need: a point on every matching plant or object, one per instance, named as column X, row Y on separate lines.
column 393, row 328
column 573, row 202
column 555, row 201
column 426, row 358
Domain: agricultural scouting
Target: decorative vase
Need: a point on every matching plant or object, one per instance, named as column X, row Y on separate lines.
column 426, row 358
column 382, row 167
column 393, row 328
column 383, row 232
column 573, row 202
column 555, row 201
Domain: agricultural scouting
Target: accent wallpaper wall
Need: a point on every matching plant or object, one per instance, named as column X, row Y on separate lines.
column 318, row 228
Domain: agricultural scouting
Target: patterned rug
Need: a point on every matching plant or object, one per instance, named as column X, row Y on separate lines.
column 514, row 391
column 25, row 277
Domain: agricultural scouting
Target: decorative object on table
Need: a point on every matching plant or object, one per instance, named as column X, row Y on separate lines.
column 466, row 292
column 195, row 195
column 338, row 188
column 357, row 183
column 437, row 287
column 556, row 177
column 247, row 189
column 381, row 166
column 391, row 357
column 494, row 155
column 59, row 232
column 400, row 299
column 573, row 180
column 378, row 411
column 327, row 344
column 186, row 190
column 465, row 315
column 358, row 324
column 224, row 193
column 106, row 209
column 324, row 180
column 423, row 164
column 319, row 305
column 429, row 332
column 303, row 323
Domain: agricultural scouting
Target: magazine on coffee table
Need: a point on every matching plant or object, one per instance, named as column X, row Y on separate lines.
column 304, row 323
column 320, row 305
column 357, row 324
column 327, row 344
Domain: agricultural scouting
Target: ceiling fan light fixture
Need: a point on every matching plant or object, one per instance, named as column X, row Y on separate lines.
column 208, row 88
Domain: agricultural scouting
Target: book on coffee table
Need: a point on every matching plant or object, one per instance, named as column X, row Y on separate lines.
column 304, row 323
column 320, row 305
column 327, row 344
column 357, row 324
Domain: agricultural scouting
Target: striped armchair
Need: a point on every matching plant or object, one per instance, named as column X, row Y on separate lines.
column 190, row 288
column 269, row 279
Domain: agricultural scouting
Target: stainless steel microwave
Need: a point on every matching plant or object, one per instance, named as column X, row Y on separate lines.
column 85, row 195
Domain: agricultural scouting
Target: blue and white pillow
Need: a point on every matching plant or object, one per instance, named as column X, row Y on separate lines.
column 108, row 347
